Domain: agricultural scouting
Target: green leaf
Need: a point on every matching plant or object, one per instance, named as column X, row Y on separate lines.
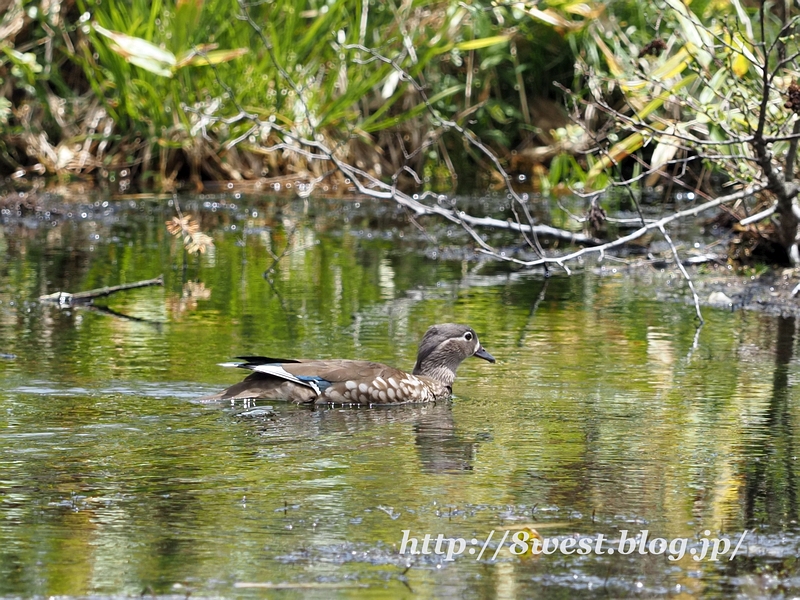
column 497, row 113
column 659, row 100
column 744, row 20
column 27, row 59
column 616, row 153
column 709, row 92
column 483, row 42
column 215, row 57
column 492, row 61
column 140, row 52
column 694, row 32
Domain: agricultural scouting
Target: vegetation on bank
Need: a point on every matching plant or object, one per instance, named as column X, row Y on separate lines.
column 145, row 94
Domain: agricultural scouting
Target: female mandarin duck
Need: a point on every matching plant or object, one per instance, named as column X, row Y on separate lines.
column 358, row 381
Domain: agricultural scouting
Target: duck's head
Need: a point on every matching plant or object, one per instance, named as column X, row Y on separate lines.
column 444, row 347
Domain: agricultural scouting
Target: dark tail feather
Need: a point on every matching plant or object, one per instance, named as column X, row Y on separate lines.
column 265, row 360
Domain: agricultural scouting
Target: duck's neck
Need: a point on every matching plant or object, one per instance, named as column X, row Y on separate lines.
column 438, row 368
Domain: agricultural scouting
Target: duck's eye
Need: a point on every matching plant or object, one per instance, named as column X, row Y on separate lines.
column 468, row 336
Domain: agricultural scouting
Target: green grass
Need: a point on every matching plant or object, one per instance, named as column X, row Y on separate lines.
column 130, row 84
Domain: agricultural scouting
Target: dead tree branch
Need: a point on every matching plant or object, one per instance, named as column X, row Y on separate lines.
column 621, row 241
column 65, row 299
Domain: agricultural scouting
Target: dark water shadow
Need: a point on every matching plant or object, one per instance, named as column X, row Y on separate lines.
column 770, row 496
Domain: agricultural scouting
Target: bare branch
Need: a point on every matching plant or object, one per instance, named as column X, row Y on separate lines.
column 369, row 185
column 758, row 216
column 602, row 248
column 683, row 271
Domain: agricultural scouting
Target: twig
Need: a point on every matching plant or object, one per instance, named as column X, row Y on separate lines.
column 759, row 215
column 540, row 296
column 683, row 272
column 113, row 313
column 66, row 299
column 276, row 258
column 618, row 221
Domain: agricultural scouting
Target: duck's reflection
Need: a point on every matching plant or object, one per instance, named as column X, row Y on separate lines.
column 441, row 447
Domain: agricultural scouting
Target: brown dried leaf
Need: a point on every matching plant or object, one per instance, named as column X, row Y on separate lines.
column 198, row 242
column 194, row 240
column 178, row 225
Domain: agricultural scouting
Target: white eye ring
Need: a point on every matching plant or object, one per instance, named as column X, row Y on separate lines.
column 468, row 336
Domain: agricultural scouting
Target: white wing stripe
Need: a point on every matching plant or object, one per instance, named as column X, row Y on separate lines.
column 280, row 372
column 276, row 371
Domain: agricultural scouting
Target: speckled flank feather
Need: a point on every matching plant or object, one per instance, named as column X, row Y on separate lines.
column 339, row 381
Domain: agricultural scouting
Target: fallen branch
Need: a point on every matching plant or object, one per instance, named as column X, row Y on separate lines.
column 66, row 299
column 374, row 188
column 621, row 241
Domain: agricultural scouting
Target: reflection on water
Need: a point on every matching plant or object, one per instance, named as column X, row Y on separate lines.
column 599, row 416
column 770, row 487
column 442, row 449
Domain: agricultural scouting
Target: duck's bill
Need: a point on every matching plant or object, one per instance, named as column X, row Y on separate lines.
column 481, row 353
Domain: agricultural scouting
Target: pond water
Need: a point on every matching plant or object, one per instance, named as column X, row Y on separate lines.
column 605, row 415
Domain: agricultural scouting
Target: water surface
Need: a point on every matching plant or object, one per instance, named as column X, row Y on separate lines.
column 605, row 412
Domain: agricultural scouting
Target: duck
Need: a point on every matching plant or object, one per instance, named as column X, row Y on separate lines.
column 341, row 381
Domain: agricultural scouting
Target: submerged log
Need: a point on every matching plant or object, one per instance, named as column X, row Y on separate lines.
column 66, row 299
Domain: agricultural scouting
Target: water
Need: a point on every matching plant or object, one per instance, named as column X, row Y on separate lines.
column 602, row 414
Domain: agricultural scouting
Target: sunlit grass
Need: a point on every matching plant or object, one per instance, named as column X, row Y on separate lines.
column 140, row 85
column 146, row 93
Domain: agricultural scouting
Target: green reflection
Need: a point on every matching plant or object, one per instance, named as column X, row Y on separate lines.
column 599, row 415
